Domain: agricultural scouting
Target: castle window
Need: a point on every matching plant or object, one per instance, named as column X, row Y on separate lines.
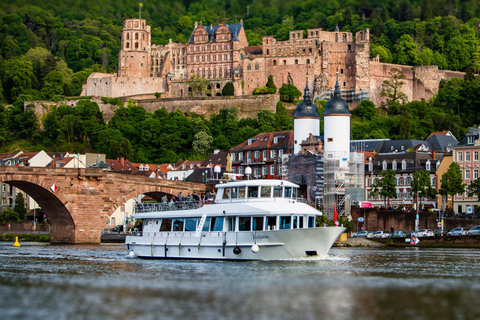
column 128, row 36
column 274, row 62
column 296, row 61
column 344, row 37
column 143, row 36
column 349, row 47
column 136, row 45
column 249, row 67
column 128, row 45
column 336, row 38
column 268, row 51
column 341, row 71
column 256, row 66
column 344, row 84
column 308, row 61
column 136, row 36
column 284, row 62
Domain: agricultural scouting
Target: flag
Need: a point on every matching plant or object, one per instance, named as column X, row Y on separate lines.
column 140, row 4
column 334, row 213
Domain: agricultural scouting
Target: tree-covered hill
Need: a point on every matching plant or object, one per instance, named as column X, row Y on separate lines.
column 48, row 48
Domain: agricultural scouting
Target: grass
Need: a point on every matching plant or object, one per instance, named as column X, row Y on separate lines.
column 10, row 237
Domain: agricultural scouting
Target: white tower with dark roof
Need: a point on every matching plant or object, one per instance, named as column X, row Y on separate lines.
column 306, row 120
column 337, row 127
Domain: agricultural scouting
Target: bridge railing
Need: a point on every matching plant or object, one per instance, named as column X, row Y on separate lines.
column 155, row 207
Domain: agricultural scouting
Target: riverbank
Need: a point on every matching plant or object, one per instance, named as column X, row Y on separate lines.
column 25, row 237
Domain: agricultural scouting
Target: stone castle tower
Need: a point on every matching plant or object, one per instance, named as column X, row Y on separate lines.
column 134, row 57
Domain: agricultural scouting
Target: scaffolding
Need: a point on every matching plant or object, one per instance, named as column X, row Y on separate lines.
column 343, row 183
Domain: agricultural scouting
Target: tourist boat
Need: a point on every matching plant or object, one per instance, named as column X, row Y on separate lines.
column 248, row 220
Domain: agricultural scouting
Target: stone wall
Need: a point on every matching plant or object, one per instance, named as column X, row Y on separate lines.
column 248, row 106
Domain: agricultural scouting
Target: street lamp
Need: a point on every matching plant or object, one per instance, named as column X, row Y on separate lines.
column 217, row 170
column 248, row 172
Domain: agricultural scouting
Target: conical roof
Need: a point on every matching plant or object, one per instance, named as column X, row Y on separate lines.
column 306, row 108
column 336, row 105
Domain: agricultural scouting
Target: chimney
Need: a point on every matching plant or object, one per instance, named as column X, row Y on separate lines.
column 122, row 161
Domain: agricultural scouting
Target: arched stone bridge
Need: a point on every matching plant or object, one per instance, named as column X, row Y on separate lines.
column 86, row 198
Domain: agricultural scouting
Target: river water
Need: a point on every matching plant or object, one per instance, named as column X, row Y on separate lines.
column 101, row 282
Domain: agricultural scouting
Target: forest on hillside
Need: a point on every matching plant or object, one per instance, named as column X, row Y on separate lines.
column 49, row 48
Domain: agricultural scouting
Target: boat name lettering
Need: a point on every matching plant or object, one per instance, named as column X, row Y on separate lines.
column 260, row 236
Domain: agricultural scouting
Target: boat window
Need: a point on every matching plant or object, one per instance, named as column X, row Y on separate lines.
column 244, row 224
column 257, row 223
column 253, row 192
column 166, row 225
column 300, row 221
column 206, row 225
column 285, row 222
column 295, row 222
column 217, row 224
column 231, row 223
column 241, row 192
column 277, row 192
column 266, row 191
column 156, row 221
column 288, row 192
column 234, row 193
column 191, row 224
column 311, row 222
column 294, row 195
column 178, row 224
column 226, row 193
column 271, row 223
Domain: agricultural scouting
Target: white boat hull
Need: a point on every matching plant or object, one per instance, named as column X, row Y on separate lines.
column 272, row 245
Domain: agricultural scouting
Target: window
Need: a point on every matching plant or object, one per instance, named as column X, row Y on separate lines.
column 402, row 181
column 467, row 174
column 475, row 155
column 191, row 224
column 166, row 225
column 271, row 223
column 277, row 192
column 265, row 192
column 233, row 156
column 470, row 139
column 216, row 223
column 256, row 66
column 427, row 165
column 273, row 153
column 460, row 156
column 178, row 224
column 240, row 156
column 244, row 223
column 264, row 170
column 394, row 165
column 404, row 165
column 272, row 170
column 296, row 61
column 287, row 192
column 256, row 154
column 257, row 223
column 240, row 170
column 253, row 192
column 285, row 222
column 384, row 165
column 249, row 156
column 475, row 174
column 226, row 193
column 264, row 154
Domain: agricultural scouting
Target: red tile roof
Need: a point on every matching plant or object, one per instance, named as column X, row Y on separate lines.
column 265, row 140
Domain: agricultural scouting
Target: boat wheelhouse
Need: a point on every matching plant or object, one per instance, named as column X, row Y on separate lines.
column 248, row 220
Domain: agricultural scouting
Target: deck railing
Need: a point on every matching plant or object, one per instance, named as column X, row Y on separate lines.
column 155, row 207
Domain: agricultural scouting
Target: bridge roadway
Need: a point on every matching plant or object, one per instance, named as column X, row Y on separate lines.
column 79, row 209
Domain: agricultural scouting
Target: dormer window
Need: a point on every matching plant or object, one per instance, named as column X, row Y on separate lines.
column 140, row 167
column 233, row 156
column 370, row 166
column 384, row 165
column 394, row 165
column 250, row 141
column 427, row 165
column 146, row 168
column 404, row 165
column 470, row 139
column 437, row 165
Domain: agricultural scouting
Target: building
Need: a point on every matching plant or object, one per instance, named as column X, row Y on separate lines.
column 466, row 154
column 263, row 154
column 220, row 54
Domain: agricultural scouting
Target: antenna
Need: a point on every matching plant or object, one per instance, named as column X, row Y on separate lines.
column 140, row 5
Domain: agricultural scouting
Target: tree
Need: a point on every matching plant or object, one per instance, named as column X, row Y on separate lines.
column 391, row 89
column 421, row 186
column 406, row 51
column 365, row 110
column 228, row 89
column 202, row 143
column 197, row 85
column 289, row 92
column 20, row 207
column 452, row 182
column 474, row 189
column 385, row 186
column 272, row 88
column 53, row 84
column 9, row 215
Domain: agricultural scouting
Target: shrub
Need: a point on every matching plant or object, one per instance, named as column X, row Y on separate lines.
column 158, row 95
column 261, row 90
column 289, row 92
column 228, row 89
column 272, row 88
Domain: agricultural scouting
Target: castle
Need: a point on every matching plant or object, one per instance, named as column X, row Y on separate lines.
column 220, row 54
